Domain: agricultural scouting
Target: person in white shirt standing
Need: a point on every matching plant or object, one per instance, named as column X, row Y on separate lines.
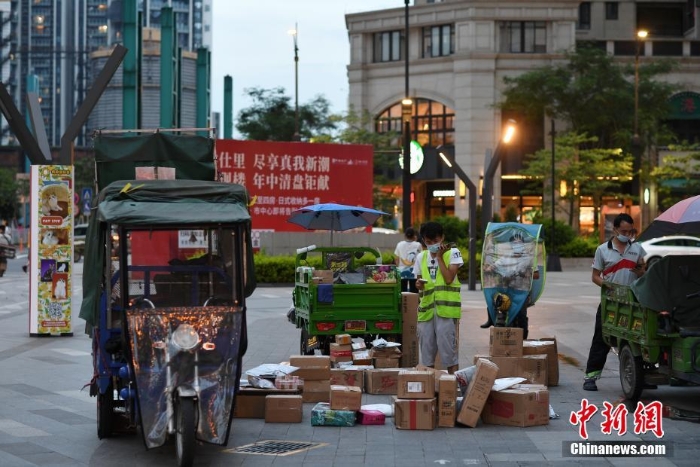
column 405, row 257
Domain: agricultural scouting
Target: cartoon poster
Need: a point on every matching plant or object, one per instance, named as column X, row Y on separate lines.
column 51, row 260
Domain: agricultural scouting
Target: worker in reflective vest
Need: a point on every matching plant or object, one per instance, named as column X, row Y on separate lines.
column 440, row 305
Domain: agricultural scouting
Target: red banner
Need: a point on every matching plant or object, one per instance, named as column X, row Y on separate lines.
column 282, row 177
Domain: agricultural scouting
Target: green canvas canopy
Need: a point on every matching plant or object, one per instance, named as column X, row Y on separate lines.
column 158, row 203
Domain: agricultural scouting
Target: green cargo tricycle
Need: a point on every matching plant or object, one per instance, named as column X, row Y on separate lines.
column 344, row 296
column 654, row 325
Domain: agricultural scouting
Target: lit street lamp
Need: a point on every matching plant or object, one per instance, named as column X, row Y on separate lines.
column 294, row 32
column 487, row 196
column 636, row 140
column 449, row 160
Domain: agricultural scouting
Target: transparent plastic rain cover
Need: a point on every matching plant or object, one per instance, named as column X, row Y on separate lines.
column 150, row 342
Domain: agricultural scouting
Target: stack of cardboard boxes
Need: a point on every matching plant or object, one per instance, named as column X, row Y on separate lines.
column 415, row 403
column 522, row 404
column 315, row 370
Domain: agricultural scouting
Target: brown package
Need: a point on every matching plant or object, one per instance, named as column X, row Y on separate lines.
column 311, row 367
column 414, row 414
column 283, row 409
column 545, row 346
column 477, row 392
column 521, row 405
column 346, row 398
column 506, row 342
column 414, row 384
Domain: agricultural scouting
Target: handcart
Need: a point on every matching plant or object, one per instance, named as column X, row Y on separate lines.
column 513, row 272
column 654, row 325
column 167, row 313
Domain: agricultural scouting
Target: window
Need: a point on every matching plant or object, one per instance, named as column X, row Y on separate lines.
column 387, row 46
column 438, row 41
column 524, row 37
column 432, row 123
column 584, row 16
column 611, row 10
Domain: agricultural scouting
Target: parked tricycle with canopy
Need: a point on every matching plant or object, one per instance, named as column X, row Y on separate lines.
column 513, row 272
column 167, row 314
column 654, row 325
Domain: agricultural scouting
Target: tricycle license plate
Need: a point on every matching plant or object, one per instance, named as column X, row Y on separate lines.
column 356, row 325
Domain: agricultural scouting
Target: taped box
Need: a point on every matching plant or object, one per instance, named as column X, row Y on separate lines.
column 435, row 372
column 447, row 400
column 506, row 342
column 386, row 362
column 346, row 397
column 341, row 352
column 409, row 320
column 414, row 384
column 283, row 409
column 316, row 391
column 414, row 414
column 382, row 381
column 250, row 402
column 323, row 415
column 322, row 276
column 311, row 367
column 343, row 339
column 361, row 357
column 545, row 346
column 348, row 377
column 477, row 392
column 531, row 367
column 520, row 405
column 370, row 417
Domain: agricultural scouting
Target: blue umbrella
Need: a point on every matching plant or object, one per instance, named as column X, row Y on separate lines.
column 334, row 217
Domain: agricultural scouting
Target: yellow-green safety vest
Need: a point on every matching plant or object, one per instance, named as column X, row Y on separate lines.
column 437, row 295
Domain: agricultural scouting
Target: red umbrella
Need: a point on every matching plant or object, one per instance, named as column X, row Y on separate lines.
column 681, row 218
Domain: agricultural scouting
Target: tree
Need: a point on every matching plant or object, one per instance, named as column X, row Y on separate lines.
column 272, row 117
column 593, row 94
column 9, row 190
column 586, row 169
column 676, row 177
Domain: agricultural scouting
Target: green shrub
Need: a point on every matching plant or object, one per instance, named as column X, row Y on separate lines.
column 579, row 247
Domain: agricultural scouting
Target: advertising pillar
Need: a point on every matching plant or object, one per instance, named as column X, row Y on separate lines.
column 51, row 256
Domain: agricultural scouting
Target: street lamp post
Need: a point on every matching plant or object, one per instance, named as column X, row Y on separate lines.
column 295, row 32
column 406, row 110
column 637, row 149
column 492, row 166
column 553, row 261
column 449, row 160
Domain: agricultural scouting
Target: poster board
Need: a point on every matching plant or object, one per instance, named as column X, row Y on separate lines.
column 51, row 256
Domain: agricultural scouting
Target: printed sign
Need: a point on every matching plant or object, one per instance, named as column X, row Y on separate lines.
column 51, row 261
column 281, row 177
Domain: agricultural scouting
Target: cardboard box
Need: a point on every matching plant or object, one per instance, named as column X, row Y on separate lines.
column 521, row 405
column 322, row 276
column 545, row 346
column 346, row 397
column 447, row 400
column 361, row 357
column 348, row 377
column 316, row 391
column 531, row 367
column 322, row 415
column 380, row 274
column 414, row 384
column 340, row 353
column 283, row 409
column 385, row 352
column 382, row 381
column 250, row 402
column 414, row 414
column 436, row 374
column 477, row 392
column 343, row 339
column 358, row 343
column 409, row 341
column 311, row 367
column 506, row 342
column 386, row 362
column 370, row 417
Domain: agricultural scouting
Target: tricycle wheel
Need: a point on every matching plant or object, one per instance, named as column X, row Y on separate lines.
column 304, row 347
column 105, row 413
column 185, row 432
column 631, row 374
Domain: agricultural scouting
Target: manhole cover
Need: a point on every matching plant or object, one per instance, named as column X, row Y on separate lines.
column 276, row 448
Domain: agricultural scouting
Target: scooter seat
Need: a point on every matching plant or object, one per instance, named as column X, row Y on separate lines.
column 689, row 332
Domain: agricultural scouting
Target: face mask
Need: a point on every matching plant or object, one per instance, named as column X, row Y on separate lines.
column 623, row 238
column 434, row 248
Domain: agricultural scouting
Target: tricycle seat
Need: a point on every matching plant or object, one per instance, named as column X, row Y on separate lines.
column 689, row 332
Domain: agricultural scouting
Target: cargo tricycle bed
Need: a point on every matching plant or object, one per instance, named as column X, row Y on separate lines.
column 654, row 325
column 342, row 290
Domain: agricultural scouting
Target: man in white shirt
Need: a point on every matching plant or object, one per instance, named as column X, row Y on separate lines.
column 405, row 256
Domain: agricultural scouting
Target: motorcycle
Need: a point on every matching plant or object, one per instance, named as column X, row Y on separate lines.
column 513, row 272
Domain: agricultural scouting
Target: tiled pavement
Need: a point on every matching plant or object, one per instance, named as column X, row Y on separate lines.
column 46, row 420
